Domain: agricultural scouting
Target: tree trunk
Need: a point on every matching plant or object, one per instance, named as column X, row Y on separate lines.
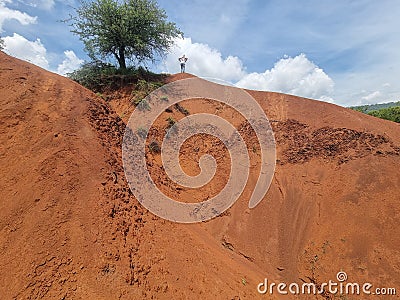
column 120, row 56
column 121, row 61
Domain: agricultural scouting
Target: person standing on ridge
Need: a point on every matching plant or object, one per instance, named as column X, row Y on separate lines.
column 183, row 61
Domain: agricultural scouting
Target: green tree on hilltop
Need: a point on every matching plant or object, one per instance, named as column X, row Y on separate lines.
column 124, row 29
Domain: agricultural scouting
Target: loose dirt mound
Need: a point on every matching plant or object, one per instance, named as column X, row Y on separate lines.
column 71, row 229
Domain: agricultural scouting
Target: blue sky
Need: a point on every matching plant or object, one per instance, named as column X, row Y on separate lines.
column 346, row 52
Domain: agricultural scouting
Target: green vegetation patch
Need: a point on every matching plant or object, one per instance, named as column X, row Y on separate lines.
column 388, row 111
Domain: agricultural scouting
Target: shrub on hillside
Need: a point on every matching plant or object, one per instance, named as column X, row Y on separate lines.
column 92, row 74
column 99, row 77
column 392, row 114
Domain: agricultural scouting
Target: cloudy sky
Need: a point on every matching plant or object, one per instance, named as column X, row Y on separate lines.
column 342, row 51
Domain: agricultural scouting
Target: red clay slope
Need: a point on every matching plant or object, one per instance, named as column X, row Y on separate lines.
column 71, row 229
column 334, row 202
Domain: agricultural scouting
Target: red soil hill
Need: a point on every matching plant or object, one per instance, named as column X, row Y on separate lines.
column 71, row 229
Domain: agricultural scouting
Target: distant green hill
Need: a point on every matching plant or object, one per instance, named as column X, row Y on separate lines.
column 388, row 111
column 368, row 108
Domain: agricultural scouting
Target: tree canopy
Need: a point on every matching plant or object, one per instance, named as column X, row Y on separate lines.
column 391, row 113
column 128, row 29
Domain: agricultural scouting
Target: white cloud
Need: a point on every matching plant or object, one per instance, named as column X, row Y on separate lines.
column 370, row 98
column 32, row 51
column 70, row 63
column 203, row 61
column 11, row 14
column 361, row 88
column 347, row 38
column 42, row 4
column 45, row 4
column 297, row 76
column 36, row 53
